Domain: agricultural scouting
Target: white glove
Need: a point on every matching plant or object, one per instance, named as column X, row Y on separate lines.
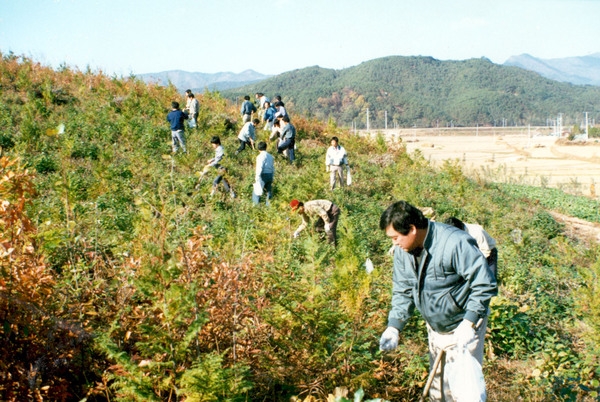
column 464, row 334
column 327, row 228
column 296, row 234
column 389, row 339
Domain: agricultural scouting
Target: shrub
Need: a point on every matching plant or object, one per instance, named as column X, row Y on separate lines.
column 6, row 141
column 46, row 164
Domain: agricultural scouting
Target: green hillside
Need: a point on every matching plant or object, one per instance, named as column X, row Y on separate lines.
column 122, row 279
column 426, row 92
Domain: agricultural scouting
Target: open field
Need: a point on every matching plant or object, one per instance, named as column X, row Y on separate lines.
column 514, row 155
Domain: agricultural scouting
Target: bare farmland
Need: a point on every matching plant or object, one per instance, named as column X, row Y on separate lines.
column 512, row 155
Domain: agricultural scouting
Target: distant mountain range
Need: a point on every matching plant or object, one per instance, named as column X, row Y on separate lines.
column 198, row 82
column 582, row 70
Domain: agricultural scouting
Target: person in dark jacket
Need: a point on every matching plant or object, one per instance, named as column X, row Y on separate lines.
column 439, row 270
column 247, row 109
column 176, row 118
column 269, row 116
column 288, row 138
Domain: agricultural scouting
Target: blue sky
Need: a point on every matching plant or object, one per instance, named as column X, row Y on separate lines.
column 141, row 36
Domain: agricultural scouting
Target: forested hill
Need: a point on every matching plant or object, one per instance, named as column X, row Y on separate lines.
column 426, row 92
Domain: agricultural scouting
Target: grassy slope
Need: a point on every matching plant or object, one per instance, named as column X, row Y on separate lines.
column 196, row 293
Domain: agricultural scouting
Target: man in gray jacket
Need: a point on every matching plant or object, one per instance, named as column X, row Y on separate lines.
column 439, row 270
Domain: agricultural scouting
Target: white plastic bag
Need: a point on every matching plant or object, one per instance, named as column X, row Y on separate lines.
column 465, row 376
column 369, row 266
column 348, row 177
column 258, row 188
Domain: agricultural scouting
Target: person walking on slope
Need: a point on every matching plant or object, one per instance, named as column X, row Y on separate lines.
column 247, row 109
column 262, row 99
column 288, row 138
column 269, row 116
column 439, row 270
column 325, row 213
column 176, row 118
column 265, row 170
column 247, row 135
column 192, row 108
column 215, row 142
column 280, row 107
column 216, row 163
column 485, row 242
column 335, row 159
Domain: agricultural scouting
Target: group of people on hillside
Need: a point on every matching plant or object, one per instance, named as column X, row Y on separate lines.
column 447, row 270
column 275, row 119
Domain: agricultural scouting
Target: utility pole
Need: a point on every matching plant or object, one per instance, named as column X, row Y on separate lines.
column 367, row 119
column 386, row 119
column 586, row 126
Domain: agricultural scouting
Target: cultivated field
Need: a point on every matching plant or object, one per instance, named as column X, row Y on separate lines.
column 517, row 155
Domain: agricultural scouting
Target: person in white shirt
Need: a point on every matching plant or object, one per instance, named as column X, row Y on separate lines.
column 247, row 135
column 265, row 170
column 281, row 112
column 335, row 159
column 192, row 108
column 215, row 142
column 262, row 99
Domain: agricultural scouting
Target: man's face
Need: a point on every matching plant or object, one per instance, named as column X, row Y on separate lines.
column 334, row 143
column 407, row 242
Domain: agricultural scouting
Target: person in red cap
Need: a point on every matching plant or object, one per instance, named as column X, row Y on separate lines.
column 324, row 212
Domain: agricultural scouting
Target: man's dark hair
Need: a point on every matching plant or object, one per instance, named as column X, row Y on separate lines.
column 188, row 91
column 190, row 95
column 260, row 94
column 286, row 119
column 335, row 139
column 175, row 105
column 262, row 146
column 247, row 97
column 457, row 223
column 401, row 216
column 215, row 140
column 256, row 122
